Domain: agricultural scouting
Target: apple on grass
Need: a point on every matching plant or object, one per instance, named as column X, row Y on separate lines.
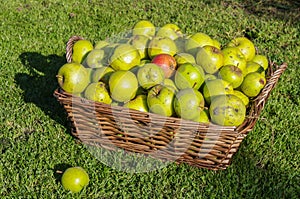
column 75, row 179
column 166, row 62
column 73, row 77
column 160, row 100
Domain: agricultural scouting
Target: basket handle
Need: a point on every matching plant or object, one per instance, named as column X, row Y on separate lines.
column 271, row 83
column 69, row 47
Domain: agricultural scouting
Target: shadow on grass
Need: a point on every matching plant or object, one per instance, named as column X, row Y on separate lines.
column 58, row 171
column 286, row 10
column 40, row 83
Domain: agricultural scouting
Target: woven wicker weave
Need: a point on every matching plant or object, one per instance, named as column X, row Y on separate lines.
column 166, row 138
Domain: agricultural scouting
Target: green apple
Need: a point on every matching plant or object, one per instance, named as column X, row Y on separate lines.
column 245, row 45
column 182, row 58
column 233, row 56
column 254, row 67
column 189, row 76
column 123, row 85
column 150, row 75
column 140, row 42
column 261, row 60
column 144, row 27
column 227, row 110
column 188, row 103
column 208, row 77
column 170, row 84
column 139, row 103
column 160, row 100
column 161, row 45
column 197, row 40
column 97, row 92
column 124, row 57
column 101, row 44
column 75, row 179
column 232, row 74
column 73, row 77
column 216, row 87
column 170, row 30
column 96, row 59
column 242, row 96
column 80, row 50
column 102, row 74
column 210, row 58
column 202, row 117
column 253, row 83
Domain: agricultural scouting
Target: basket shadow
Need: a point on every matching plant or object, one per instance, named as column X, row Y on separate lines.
column 40, row 82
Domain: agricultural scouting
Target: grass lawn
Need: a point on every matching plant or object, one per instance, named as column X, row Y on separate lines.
column 35, row 140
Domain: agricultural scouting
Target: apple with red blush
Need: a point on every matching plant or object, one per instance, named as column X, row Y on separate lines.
column 166, row 62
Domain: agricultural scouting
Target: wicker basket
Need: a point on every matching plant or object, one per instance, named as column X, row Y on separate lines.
column 166, row 138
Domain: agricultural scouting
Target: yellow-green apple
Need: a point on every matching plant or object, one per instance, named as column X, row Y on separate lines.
column 245, row 45
column 170, row 30
column 188, row 103
column 242, row 96
column 140, row 42
column 232, row 74
column 189, row 76
column 73, row 77
column 123, row 85
column 96, row 59
column 124, row 57
column 80, row 50
column 161, row 45
column 233, row 56
column 102, row 74
column 213, row 88
column 150, row 75
column 97, row 91
column 253, row 83
column 74, row 179
column 227, row 110
column 261, row 60
column 160, row 100
column 210, row 58
column 144, row 27
column 197, row 40
column 139, row 103
column 182, row 58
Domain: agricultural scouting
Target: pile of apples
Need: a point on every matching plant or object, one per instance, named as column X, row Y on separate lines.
column 165, row 72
